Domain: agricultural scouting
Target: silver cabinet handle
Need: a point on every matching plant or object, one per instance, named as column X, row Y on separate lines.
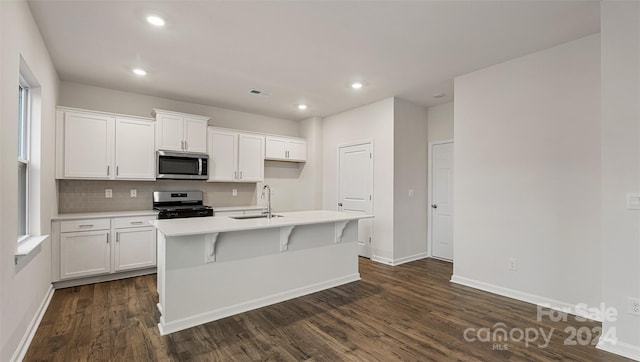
column 107, row 238
column 85, row 226
column 434, row 206
column 136, row 222
column 241, row 175
column 182, row 145
column 117, row 237
column 107, row 170
column 117, row 170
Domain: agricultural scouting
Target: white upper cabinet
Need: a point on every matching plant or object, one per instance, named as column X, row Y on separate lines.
column 250, row 157
column 234, row 156
column 95, row 145
column 88, row 145
column 134, row 150
column 286, row 149
column 223, row 155
column 180, row 132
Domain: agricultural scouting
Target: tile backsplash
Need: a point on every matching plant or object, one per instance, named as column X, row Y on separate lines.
column 89, row 196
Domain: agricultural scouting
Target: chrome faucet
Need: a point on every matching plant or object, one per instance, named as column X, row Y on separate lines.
column 266, row 187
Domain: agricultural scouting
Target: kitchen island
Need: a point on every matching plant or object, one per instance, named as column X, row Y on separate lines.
column 214, row 267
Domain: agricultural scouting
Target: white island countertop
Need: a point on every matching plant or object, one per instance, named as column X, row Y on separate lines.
column 218, row 224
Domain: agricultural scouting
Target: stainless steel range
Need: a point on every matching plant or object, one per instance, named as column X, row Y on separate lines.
column 180, row 204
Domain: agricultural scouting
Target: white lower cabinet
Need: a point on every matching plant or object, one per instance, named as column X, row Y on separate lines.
column 84, row 253
column 103, row 246
column 134, row 248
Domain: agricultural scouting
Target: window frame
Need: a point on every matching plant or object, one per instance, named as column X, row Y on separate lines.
column 24, row 128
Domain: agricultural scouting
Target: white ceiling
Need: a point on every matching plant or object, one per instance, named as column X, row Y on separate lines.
column 214, row 52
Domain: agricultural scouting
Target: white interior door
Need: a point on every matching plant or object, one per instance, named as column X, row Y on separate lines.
column 442, row 200
column 355, row 188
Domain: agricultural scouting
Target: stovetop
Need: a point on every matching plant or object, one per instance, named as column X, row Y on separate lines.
column 180, row 204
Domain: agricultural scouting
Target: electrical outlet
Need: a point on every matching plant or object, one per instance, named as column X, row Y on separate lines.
column 634, row 306
column 108, row 193
column 513, row 264
column 234, row 192
column 133, row 193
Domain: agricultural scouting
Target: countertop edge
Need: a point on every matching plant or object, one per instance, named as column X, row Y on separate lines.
column 103, row 214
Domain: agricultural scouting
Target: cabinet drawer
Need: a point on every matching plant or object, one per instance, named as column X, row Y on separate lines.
column 84, row 225
column 131, row 222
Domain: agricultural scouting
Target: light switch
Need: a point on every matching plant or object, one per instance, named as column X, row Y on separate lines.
column 633, row 201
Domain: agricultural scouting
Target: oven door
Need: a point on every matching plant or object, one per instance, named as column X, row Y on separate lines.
column 181, row 165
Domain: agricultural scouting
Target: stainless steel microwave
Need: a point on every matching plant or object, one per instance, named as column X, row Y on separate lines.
column 182, row 165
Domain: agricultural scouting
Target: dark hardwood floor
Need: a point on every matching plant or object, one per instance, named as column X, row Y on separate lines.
column 409, row 312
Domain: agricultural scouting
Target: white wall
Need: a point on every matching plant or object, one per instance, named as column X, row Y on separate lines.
column 410, row 173
column 620, row 169
column 109, row 100
column 370, row 122
column 440, row 122
column 24, row 287
column 527, row 163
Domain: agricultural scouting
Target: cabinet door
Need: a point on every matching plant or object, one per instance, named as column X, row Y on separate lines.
column 275, row 148
column 223, row 155
column 134, row 248
column 297, row 150
column 169, row 132
column 250, row 158
column 88, row 146
column 135, row 151
column 84, row 253
column 195, row 135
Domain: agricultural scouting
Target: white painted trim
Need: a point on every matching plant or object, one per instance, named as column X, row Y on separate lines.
column 184, row 323
column 103, row 278
column 25, row 342
column 429, row 193
column 522, row 296
column 409, row 258
column 621, row 349
column 382, row 259
column 395, row 262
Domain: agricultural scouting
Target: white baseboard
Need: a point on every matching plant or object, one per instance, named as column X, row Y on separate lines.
column 525, row 297
column 622, row 349
column 103, row 278
column 409, row 258
column 178, row 325
column 25, row 342
column 398, row 261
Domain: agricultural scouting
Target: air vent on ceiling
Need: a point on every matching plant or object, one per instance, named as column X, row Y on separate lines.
column 260, row 92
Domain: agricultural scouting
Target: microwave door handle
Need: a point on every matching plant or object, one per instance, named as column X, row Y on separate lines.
column 200, row 166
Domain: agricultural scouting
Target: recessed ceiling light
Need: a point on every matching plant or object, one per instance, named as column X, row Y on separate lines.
column 356, row 85
column 140, row 72
column 439, row 95
column 155, row 20
column 302, row 107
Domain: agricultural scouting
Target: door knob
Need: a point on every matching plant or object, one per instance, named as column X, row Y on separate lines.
column 340, row 204
column 434, row 206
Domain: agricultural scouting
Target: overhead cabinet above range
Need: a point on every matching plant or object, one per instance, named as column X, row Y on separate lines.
column 103, row 146
column 180, row 131
column 286, row 149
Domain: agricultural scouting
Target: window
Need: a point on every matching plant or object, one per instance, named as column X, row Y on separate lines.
column 23, row 158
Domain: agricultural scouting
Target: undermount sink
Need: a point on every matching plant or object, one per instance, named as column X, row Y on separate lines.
column 260, row 216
